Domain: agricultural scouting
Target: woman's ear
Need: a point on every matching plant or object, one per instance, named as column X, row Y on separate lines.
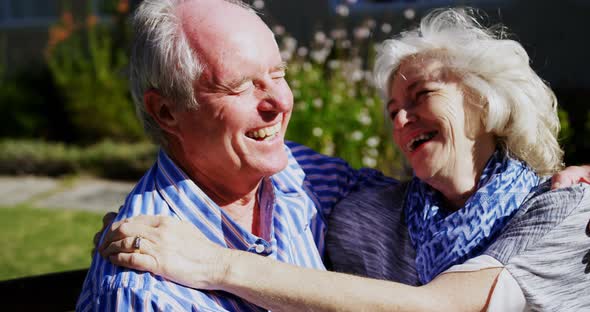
column 162, row 110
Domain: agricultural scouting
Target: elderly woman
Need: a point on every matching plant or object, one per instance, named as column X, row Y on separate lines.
column 476, row 228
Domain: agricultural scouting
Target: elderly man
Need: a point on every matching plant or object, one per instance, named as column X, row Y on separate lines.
column 212, row 93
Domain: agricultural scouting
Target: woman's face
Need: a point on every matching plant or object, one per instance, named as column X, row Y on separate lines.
column 439, row 133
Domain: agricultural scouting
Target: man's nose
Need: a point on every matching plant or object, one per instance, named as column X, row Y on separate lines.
column 275, row 98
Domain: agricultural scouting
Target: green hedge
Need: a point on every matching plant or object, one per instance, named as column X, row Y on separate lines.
column 110, row 160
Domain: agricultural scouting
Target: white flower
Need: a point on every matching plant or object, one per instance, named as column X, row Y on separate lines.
column 338, row 33
column 307, row 66
column 342, row 10
column 364, row 119
column 286, row 55
column 386, row 28
column 409, row 13
column 258, row 4
column 278, row 30
column 369, row 161
column 357, row 75
column 319, row 56
column 333, row 64
column 356, row 135
column 320, row 37
column 290, row 43
column 328, row 149
column 373, row 141
column 362, row 32
column 317, row 103
column 372, row 152
column 302, row 51
column 317, row 132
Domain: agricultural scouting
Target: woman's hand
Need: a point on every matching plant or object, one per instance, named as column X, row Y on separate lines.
column 168, row 247
column 570, row 176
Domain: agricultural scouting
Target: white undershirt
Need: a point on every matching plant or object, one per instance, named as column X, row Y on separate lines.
column 506, row 295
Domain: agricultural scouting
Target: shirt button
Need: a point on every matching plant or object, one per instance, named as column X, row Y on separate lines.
column 259, row 248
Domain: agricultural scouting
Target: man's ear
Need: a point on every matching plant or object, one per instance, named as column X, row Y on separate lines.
column 162, row 111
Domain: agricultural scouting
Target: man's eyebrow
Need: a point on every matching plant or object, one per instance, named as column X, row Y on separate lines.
column 233, row 84
column 281, row 67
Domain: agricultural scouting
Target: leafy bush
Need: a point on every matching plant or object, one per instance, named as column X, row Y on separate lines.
column 106, row 159
column 89, row 67
column 119, row 160
column 39, row 158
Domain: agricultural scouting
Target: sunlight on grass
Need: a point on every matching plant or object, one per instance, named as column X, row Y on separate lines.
column 36, row 241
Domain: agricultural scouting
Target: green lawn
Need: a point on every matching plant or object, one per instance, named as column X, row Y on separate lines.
column 36, row 241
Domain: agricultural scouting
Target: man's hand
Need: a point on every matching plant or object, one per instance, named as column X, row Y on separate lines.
column 106, row 220
column 168, row 247
column 570, row 176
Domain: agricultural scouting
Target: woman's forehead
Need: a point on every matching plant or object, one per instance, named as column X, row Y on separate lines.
column 425, row 67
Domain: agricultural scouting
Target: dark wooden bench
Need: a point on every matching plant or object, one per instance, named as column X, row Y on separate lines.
column 47, row 292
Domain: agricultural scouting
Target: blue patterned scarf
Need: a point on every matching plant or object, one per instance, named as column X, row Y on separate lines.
column 442, row 238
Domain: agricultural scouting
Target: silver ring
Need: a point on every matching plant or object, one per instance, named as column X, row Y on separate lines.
column 137, row 243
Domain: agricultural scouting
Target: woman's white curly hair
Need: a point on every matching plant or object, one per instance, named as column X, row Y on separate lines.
column 518, row 107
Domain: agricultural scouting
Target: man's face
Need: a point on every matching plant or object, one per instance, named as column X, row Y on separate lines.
column 244, row 101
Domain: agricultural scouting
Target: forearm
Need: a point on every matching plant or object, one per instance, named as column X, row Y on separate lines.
column 283, row 287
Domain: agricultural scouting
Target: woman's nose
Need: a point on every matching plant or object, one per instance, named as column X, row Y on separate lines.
column 401, row 119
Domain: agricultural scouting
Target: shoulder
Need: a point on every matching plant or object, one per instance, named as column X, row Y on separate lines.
column 367, row 235
column 380, row 198
column 546, row 212
column 545, row 248
column 108, row 288
column 374, row 211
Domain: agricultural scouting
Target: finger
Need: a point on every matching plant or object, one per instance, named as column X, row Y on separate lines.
column 136, row 261
column 108, row 219
column 558, row 180
column 96, row 238
column 561, row 179
column 129, row 230
column 127, row 245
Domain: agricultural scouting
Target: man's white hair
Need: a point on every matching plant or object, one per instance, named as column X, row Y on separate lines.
column 162, row 60
column 518, row 107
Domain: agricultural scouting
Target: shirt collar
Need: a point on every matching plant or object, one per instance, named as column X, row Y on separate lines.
column 190, row 203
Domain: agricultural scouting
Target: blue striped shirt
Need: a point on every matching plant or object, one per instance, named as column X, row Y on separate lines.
column 294, row 203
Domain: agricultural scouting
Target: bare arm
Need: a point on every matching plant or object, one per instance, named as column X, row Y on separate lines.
column 283, row 287
column 278, row 286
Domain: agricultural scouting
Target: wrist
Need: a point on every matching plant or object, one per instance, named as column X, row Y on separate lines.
column 221, row 266
column 228, row 269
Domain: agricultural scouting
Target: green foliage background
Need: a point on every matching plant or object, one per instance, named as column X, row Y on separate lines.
column 80, row 98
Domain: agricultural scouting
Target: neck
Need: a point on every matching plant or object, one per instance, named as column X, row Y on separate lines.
column 237, row 197
column 461, row 181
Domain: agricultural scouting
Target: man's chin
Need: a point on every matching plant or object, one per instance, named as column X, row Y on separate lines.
column 273, row 165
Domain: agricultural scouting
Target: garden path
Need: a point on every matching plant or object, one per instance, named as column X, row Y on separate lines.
column 82, row 193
